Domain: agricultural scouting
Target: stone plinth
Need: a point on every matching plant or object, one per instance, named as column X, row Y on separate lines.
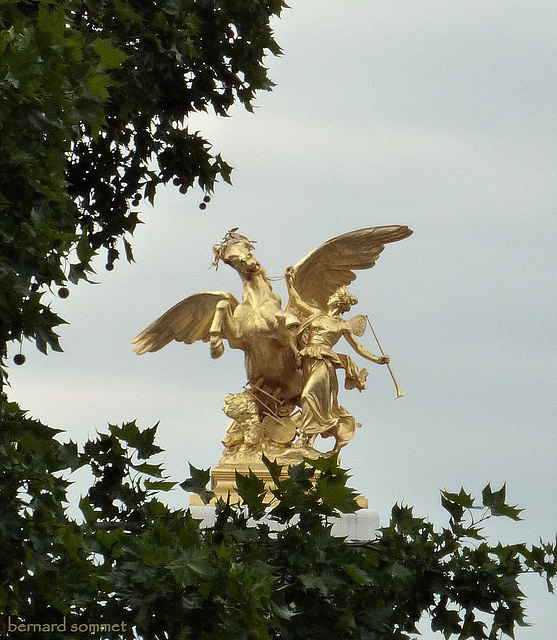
column 223, row 482
column 361, row 526
column 223, row 478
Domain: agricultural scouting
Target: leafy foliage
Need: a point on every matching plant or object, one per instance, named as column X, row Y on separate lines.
column 94, row 100
column 275, row 572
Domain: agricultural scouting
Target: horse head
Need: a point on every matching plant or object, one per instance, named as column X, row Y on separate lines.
column 235, row 250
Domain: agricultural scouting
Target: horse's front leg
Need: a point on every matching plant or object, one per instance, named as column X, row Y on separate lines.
column 224, row 325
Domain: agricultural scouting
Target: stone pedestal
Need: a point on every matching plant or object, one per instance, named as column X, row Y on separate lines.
column 223, row 478
column 223, row 482
column 361, row 526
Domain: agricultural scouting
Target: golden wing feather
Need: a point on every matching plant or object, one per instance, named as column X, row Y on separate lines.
column 188, row 321
column 317, row 276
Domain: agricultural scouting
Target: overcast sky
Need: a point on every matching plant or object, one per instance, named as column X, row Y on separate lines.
column 440, row 115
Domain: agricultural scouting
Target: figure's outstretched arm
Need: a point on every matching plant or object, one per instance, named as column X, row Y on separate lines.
column 294, row 296
column 361, row 350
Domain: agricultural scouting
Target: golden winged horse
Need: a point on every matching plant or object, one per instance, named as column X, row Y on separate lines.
column 259, row 326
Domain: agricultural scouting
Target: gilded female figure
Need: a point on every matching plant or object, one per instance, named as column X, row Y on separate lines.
column 318, row 334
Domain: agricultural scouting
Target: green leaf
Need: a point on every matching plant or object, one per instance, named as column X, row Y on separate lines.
column 190, row 564
column 446, row 620
column 52, row 22
column 87, row 510
column 252, row 491
column 128, row 250
column 172, row 7
column 324, row 463
column 300, row 473
column 55, row 601
column 154, row 470
column 98, row 84
column 78, row 272
column 84, row 249
column 197, row 483
column 111, row 57
column 456, row 510
column 159, row 485
column 69, row 457
column 457, row 503
column 312, row 581
column 490, row 497
column 141, row 440
column 358, row 575
column 334, row 492
column 397, row 570
column 282, row 610
column 495, row 501
column 126, row 12
column 274, row 468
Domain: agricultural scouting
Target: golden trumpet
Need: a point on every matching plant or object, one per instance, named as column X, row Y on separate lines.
column 399, row 391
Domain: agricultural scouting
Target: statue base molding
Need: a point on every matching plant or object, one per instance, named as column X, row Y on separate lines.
column 223, row 479
column 223, row 482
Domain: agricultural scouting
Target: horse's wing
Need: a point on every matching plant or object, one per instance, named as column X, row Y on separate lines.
column 317, row 276
column 188, row 321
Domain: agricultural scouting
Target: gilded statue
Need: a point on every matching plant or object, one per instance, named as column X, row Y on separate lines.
column 291, row 362
column 318, row 334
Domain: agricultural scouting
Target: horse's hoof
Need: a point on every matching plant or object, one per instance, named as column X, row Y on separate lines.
column 217, row 348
